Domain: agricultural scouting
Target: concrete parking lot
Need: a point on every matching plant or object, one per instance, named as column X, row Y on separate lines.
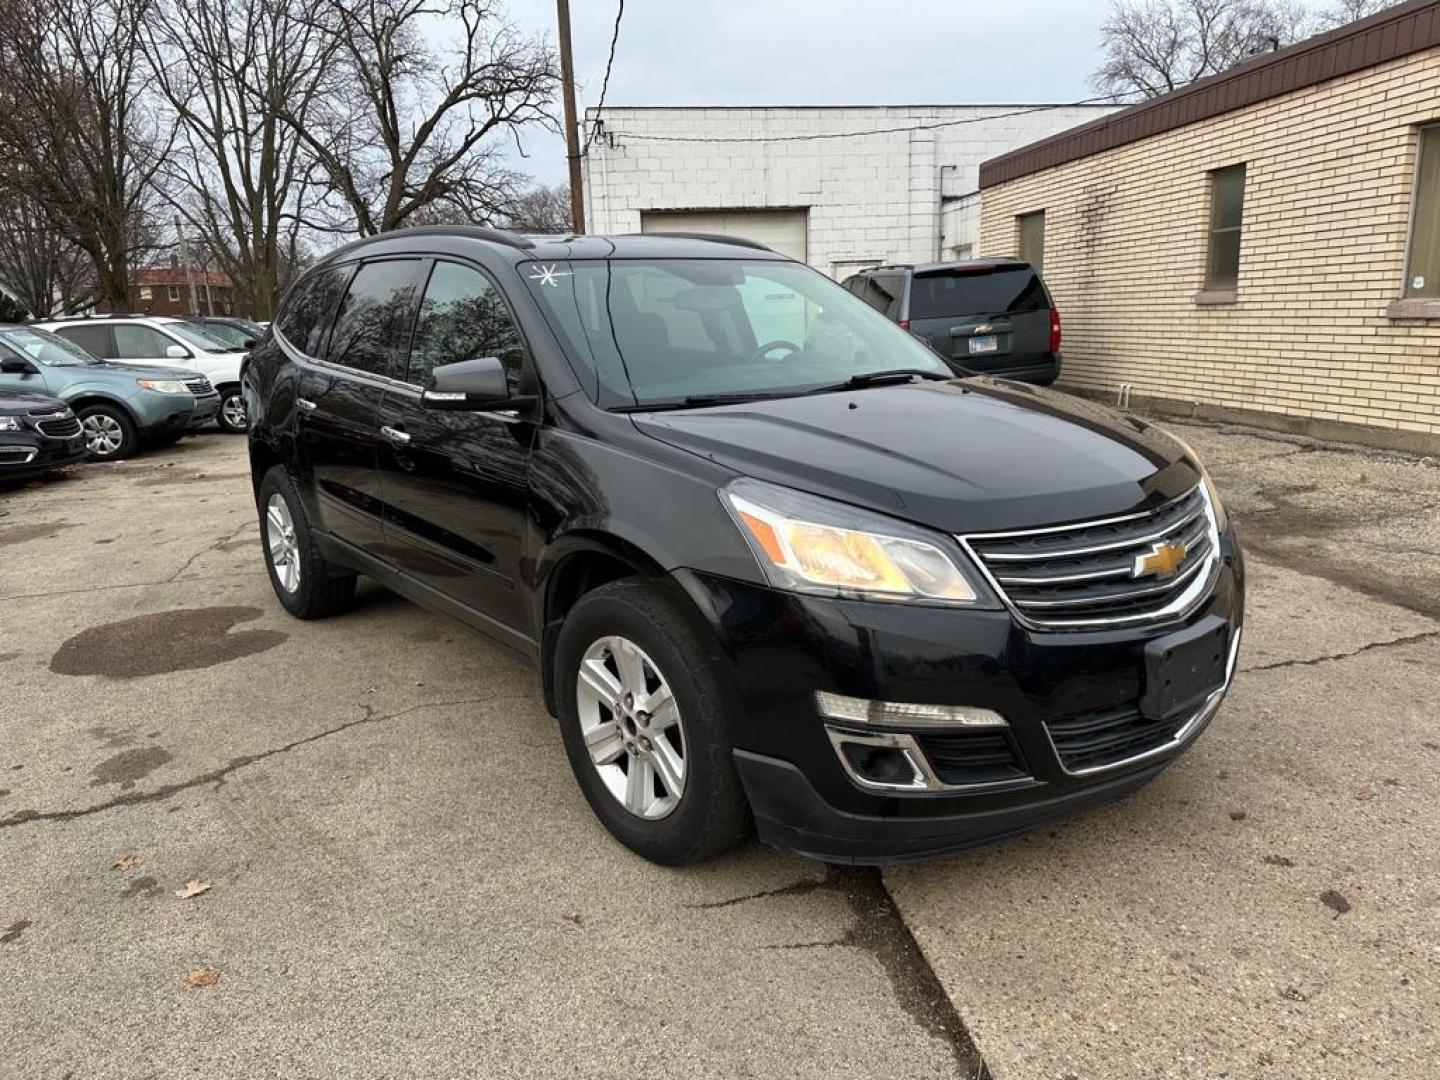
column 403, row 879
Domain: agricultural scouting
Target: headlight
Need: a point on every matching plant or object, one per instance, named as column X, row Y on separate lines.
column 1210, row 491
column 164, row 386
column 9, row 423
column 808, row 544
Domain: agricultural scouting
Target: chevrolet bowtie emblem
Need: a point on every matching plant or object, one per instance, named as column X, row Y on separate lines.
column 1162, row 561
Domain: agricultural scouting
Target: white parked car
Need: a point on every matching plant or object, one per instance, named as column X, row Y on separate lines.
column 157, row 339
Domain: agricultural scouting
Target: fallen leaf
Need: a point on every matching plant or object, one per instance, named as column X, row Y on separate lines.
column 1293, row 994
column 201, row 977
column 193, row 888
column 574, row 917
column 1365, row 794
column 1238, row 815
column 129, row 862
column 1335, row 902
column 1277, row 860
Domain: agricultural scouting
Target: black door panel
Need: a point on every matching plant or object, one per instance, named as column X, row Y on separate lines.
column 337, row 423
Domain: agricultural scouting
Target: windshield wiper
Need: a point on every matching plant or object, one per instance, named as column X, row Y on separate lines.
column 698, row 401
column 884, row 378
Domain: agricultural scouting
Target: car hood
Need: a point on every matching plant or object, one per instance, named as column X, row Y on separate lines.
column 18, row 402
column 972, row 455
column 142, row 371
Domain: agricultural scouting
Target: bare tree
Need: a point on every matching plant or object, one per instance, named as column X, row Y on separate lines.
column 541, row 210
column 410, row 127
column 1341, row 12
column 1154, row 46
column 242, row 78
column 74, row 122
column 43, row 270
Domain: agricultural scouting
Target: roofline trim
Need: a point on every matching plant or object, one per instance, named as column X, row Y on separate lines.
column 1388, row 35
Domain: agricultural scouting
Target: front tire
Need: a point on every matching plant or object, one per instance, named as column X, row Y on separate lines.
column 307, row 586
column 642, row 719
column 110, row 434
column 231, row 418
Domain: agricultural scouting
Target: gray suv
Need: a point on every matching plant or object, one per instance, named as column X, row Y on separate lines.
column 120, row 406
column 986, row 316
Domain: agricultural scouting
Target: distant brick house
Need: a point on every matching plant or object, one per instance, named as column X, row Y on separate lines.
column 1262, row 245
column 165, row 290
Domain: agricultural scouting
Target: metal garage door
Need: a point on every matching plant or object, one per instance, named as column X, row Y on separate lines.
column 781, row 230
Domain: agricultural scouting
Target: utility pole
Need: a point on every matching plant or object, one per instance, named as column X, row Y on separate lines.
column 185, row 262
column 572, row 131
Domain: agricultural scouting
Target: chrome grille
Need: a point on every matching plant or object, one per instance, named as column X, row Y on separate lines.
column 65, row 428
column 199, row 386
column 1084, row 576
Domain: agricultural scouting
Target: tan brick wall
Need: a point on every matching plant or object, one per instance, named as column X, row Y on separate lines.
column 1329, row 176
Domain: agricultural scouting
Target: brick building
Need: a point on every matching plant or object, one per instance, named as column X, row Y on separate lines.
column 165, row 290
column 1263, row 244
column 839, row 187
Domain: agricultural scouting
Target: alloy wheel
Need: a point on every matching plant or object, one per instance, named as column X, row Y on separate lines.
column 280, row 539
column 103, row 434
column 232, row 410
column 631, row 726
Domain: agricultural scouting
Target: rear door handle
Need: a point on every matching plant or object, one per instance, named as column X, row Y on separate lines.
column 396, row 436
column 305, row 405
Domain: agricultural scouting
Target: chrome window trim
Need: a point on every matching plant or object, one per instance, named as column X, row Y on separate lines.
column 1177, row 609
column 1192, row 727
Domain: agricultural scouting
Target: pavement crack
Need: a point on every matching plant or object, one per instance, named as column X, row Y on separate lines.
column 795, row 888
column 215, row 545
column 220, row 775
column 1408, row 639
column 845, row 940
column 130, row 585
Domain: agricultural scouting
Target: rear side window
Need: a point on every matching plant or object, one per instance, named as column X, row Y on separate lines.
column 93, row 339
column 463, row 317
column 372, row 328
column 307, row 313
column 136, row 342
column 883, row 292
column 1003, row 291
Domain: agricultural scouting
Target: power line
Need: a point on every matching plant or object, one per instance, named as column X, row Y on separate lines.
column 640, row 137
column 605, row 83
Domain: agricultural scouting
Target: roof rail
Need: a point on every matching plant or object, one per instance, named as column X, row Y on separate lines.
column 714, row 238
column 472, row 232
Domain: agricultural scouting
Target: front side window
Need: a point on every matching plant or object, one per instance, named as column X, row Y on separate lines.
column 1422, row 273
column 1227, row 201
column 1030, row 238
column 463, row 317
column 883, row 292
column 652, row 331
column 309, row 308
column 52, row 350
column 372, row 327
column 134, row 341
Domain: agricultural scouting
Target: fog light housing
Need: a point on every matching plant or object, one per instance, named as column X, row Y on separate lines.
column 896, row 714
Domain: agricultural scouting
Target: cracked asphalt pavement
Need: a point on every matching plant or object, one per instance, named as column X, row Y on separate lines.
column 404, row 880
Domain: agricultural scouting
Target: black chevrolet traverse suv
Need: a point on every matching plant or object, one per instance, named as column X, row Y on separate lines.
column 777, row 565
column 984, row 316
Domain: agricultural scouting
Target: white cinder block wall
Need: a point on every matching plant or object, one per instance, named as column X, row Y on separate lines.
column 872, row 198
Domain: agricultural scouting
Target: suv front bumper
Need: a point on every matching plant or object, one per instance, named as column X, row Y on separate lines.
column 1074, row 735
column 29, row 453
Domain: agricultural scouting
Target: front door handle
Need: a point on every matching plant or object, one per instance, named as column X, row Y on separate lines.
column 396, row 436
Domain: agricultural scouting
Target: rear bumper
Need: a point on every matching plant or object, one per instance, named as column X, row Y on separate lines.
column 1029, row 369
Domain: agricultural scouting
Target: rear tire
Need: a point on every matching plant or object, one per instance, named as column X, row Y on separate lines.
column 306, row 584
column 615, row 746
column 110, row 434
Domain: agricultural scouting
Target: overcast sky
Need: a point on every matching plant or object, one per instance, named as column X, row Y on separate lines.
column 820, row 52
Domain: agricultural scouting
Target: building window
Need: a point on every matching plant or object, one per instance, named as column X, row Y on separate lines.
column 1422, row 272
column 1227, row 201
column 145, row 293
column 1030, row 238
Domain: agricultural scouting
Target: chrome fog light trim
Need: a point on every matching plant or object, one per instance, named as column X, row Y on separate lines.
column 901, row 714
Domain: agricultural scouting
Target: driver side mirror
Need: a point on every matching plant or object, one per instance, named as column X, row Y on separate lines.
column 177, row 352
column 477, row 385
column 249, row 343
column 13, row 365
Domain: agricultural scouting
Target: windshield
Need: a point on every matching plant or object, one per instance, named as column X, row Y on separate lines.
column 233, row 334
column 198, row 338
column 46, row 348
column 662, row 330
